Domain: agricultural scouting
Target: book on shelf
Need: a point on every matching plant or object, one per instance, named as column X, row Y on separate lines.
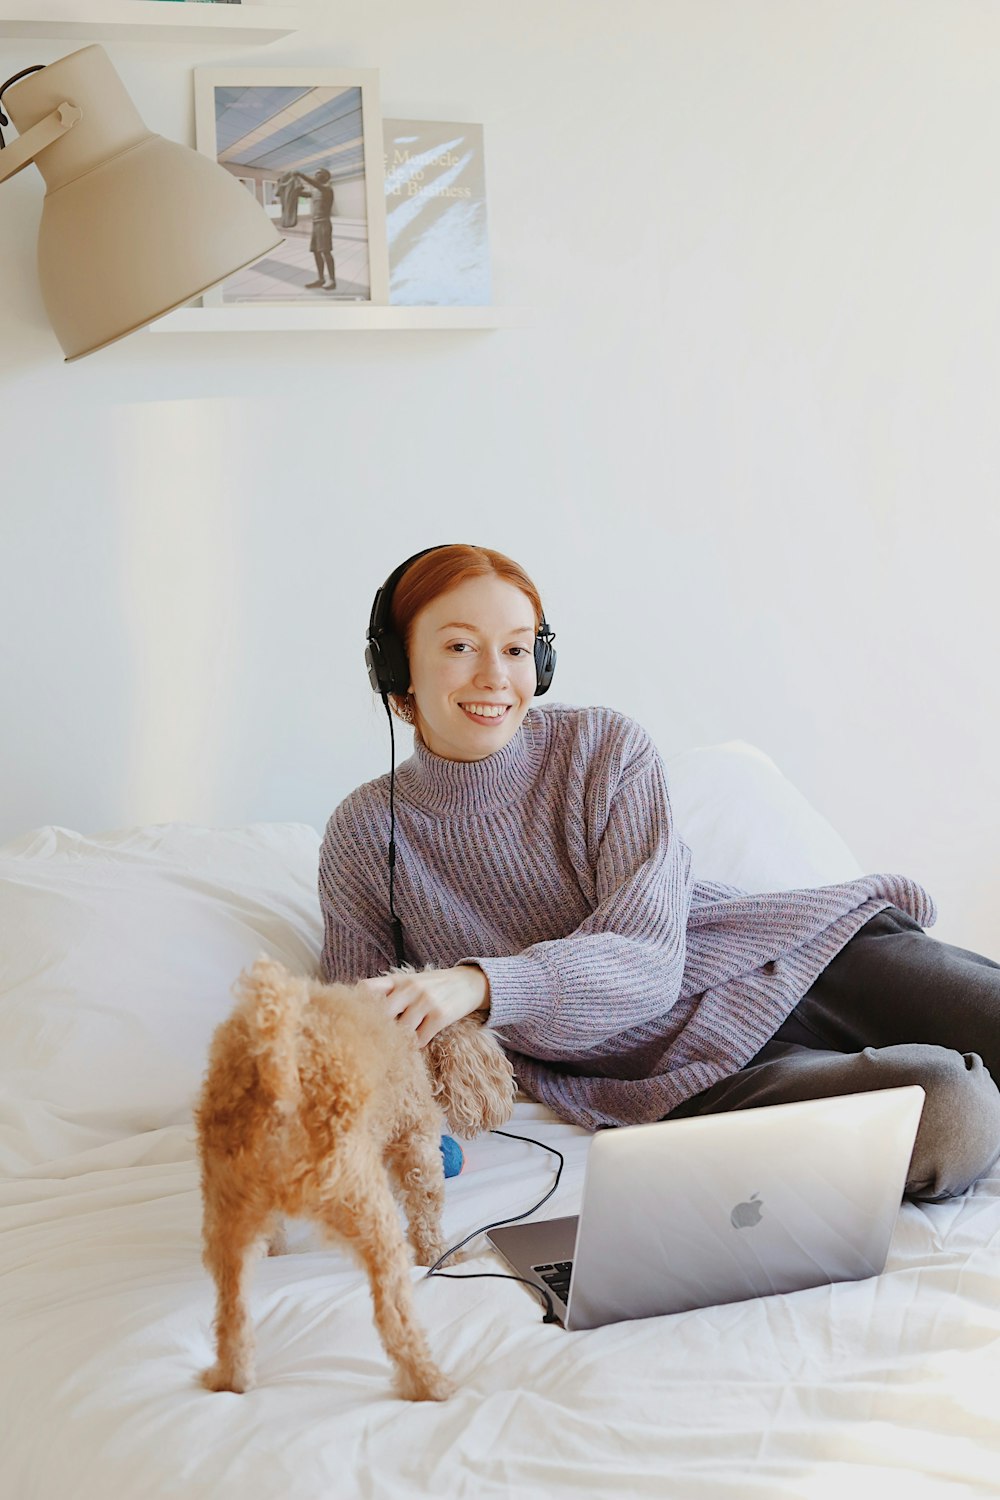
column 435, row 202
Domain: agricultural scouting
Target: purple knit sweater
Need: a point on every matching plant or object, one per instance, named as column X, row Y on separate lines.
column 619, row 985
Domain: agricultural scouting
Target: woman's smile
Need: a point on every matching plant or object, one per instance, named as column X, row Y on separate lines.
column 485, row 713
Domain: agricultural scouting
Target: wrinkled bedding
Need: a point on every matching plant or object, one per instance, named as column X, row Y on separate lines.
column 117, row 955
column 106, row 1317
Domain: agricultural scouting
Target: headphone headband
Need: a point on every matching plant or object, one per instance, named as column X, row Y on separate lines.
column 385, row 654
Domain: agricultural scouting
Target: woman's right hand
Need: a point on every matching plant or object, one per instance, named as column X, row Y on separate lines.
column 428, row 1001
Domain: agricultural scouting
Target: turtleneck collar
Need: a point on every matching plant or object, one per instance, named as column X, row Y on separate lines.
column 462, row 788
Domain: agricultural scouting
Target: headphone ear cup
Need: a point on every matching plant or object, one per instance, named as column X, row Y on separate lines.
column 388, row 668
column 373, row 661
column 397, row 668
column 545, row 665
column 385, row 654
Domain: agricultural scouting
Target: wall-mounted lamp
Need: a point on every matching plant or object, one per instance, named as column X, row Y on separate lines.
column 133, row 225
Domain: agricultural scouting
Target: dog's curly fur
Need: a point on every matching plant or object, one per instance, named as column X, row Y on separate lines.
column 318, row 1104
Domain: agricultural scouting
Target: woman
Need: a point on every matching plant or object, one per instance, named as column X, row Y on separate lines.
column 539, row 868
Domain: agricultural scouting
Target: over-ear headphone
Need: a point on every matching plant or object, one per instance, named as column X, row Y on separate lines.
column 385, row 654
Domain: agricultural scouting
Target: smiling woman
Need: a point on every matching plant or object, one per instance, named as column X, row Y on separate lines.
column 467, row 618
column 543, row 877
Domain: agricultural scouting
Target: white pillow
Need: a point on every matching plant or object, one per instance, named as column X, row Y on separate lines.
column 119, row 951
column 747, row 825
column 118, row 956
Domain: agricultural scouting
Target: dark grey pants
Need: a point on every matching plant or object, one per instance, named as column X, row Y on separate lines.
column 895, row 1006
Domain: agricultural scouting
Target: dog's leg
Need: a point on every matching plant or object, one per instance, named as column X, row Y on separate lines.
column 231, row 1248
column 367, row 1218
column 415, row 1165
column 277, row 1239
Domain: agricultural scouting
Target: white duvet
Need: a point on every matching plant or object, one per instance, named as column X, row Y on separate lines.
column 115, row 964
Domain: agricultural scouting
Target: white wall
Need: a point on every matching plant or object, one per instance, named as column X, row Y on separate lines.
column 748, row 448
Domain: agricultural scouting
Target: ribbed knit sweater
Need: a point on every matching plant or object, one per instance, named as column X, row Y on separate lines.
column 619, row 985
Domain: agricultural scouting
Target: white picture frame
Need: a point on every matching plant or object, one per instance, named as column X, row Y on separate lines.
column 279, row 128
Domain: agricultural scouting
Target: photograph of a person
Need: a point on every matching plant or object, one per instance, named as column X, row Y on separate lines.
column 307, row 145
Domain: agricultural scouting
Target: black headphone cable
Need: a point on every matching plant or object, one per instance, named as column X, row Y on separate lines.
column 397, row 926
column 550, row 1313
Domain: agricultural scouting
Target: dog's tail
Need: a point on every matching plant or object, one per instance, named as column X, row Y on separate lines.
column 272, row 1001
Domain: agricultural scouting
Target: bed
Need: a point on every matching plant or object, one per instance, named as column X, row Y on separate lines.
column 117, row 956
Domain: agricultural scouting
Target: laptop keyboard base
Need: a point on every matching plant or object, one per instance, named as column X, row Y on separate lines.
column 557, row 1277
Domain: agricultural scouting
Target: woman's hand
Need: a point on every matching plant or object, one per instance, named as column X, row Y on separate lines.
column 429, row 1001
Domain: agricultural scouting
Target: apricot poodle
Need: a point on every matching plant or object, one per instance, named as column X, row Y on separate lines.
column 317, row 1104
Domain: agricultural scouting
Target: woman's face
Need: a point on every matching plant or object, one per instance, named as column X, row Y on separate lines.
column 473, row 647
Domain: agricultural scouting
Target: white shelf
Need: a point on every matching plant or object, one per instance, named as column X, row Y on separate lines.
column 362, row 316
column 148, row 20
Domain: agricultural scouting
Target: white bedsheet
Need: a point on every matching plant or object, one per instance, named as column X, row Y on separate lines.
column 106, row 1314
column 117, row 955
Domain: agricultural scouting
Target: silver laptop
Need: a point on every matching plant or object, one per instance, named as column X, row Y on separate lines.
column 720, row 1208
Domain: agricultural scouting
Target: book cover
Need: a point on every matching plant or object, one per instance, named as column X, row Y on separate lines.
column 435, row 200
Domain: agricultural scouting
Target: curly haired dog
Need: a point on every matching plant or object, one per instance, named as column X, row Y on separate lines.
column 319, row 1105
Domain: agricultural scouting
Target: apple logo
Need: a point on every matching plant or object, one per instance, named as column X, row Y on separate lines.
column 746, row 1215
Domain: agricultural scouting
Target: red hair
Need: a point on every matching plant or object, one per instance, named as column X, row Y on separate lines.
column 434, row 574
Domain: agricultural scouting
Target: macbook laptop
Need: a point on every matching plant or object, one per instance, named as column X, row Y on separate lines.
column 720, row 1208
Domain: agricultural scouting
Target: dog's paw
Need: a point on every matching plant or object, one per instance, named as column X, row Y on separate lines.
column 277, row 1241
column 217, row 1379
column 469, row 1253
column 426, row 1255
column 425, row 1385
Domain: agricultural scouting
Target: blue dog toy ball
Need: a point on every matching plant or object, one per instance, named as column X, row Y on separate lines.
column 452, row 1155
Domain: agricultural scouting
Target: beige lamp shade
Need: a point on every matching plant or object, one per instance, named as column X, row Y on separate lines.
column 133, row 225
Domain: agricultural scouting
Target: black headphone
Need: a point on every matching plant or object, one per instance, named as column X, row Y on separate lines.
column 389, row 672
column 385, row 654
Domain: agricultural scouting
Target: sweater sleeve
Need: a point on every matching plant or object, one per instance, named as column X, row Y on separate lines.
column 624, row 964
column 351, row 949
column 348, row 955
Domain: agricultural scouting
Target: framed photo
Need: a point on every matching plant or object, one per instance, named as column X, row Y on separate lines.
column 307, row 143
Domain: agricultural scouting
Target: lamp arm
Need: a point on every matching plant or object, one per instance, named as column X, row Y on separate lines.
column 22, row 152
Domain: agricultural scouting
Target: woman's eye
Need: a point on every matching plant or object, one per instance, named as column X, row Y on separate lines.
column 458, row 646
